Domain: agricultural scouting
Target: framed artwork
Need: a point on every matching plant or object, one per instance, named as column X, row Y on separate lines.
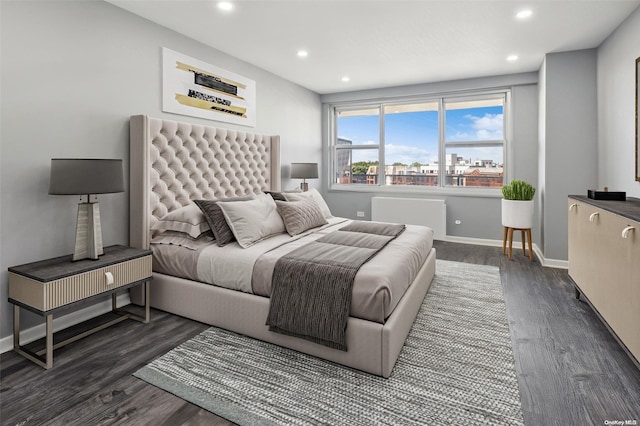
column 195, row 88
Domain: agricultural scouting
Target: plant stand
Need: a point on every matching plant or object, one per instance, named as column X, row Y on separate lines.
column 508, row 234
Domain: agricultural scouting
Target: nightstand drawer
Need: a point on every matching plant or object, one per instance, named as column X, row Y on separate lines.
column 45, row 296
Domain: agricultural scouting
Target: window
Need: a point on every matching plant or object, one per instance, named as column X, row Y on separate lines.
column 412, row 139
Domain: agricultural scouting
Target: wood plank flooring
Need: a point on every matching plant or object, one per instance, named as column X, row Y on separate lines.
column 571, row 371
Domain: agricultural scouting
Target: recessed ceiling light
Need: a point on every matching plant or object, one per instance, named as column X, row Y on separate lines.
column 345, row 79
column 524, row 14
column 512, row 58
column 303, row 53
column 225, row 5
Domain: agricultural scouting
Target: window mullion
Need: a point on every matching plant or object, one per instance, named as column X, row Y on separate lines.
column 381, row 156
column 333, row 152
column 466, row 144
column 441, row 143
column 507, row 153
column 356, row 147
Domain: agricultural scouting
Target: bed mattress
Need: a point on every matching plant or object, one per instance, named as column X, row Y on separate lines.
column 378, row 286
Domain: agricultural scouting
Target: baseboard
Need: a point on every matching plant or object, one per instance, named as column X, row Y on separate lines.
column 65, row 321
column 548, row 263
column 475, row 241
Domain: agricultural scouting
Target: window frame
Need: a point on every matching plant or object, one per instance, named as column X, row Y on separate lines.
column 334, row 109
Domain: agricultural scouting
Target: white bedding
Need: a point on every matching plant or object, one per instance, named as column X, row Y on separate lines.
column 378, row 287
column 231, row 266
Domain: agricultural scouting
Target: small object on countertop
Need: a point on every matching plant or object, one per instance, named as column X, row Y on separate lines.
column 607, row 195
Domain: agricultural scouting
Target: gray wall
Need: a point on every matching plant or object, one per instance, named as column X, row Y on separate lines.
column 569, row 141
column 616, row 107
column 72, row 74
column 480, row 216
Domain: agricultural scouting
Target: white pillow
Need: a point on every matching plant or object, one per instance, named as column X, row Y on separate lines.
column 252, row 220
column 188, row 219
column 314, row 195
column 182, row 240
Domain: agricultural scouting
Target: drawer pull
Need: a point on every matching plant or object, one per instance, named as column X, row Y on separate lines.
column 593, row 216
column 109, row 277
column 572, row 206
column 625, row 231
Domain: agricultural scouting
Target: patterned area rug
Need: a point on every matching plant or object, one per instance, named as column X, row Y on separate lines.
column 456, row 367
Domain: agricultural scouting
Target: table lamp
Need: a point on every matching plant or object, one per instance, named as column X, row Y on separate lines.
column 304, row 171
column 86, row 176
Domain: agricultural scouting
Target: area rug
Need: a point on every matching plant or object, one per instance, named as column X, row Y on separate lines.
column 456, row 367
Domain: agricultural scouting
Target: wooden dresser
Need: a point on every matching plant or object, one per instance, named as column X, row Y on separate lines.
column 604, row 263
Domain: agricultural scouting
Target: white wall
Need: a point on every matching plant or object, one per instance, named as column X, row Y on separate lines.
column 72, row 74
column 616, row 107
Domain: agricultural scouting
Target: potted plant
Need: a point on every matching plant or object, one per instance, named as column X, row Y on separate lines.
column 517, row 204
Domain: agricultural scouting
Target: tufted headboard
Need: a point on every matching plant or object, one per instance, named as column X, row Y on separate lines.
column 172, row 163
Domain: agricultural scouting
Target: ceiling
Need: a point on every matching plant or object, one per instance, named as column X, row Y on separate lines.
column 379, row 43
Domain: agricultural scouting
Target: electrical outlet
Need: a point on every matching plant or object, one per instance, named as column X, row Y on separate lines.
column 360, row 213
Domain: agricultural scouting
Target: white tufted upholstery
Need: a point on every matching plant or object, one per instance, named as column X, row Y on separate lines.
column 176, row 162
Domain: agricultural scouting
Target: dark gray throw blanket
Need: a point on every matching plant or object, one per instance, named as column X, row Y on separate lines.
column 311, row 286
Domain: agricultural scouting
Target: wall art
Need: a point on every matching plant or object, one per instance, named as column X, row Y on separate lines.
column 195, row 88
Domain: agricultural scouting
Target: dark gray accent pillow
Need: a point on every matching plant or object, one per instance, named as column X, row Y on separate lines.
column 279, row 195
column 299, row 216
column 276, row 195
column 218, row 224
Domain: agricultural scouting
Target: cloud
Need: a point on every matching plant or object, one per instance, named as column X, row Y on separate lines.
column 461, row 136
column 487, row 127
column 364, row 155
column 408, row 154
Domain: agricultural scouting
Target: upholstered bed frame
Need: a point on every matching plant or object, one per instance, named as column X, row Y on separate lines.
column 172, row 163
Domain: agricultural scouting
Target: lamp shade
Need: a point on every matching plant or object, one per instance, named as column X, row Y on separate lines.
column 79, row 176
column 304, row 170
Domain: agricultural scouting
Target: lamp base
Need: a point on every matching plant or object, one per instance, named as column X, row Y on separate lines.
column 304, row 186
column 88, row 232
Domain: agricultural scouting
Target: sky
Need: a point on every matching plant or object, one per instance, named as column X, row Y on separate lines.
column 413, row 136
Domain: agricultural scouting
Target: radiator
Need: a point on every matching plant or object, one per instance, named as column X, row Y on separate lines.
column 413, row 211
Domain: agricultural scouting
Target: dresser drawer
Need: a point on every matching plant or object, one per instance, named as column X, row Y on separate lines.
column 50, row 295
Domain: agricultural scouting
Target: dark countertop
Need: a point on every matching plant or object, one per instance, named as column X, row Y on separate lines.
column 629, row 209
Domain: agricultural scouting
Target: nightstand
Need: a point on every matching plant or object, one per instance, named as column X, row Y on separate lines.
column 57, row 285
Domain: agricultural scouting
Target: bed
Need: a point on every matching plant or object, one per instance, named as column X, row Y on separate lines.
column 173, row 163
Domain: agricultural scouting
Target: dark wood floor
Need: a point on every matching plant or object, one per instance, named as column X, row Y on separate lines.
column 570, row 369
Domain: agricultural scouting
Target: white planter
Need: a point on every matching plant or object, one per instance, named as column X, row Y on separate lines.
column 517, row 214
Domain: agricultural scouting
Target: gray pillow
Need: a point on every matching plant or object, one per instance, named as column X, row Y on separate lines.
column 299, row 216
column 215, row 217
column 314, row 195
